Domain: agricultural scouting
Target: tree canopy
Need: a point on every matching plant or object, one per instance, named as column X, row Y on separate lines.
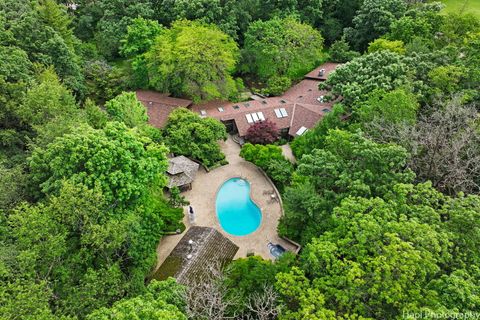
column 115, row 159
column 383, row 193
column 193, row 59
column 281, row 47
column 186, row 133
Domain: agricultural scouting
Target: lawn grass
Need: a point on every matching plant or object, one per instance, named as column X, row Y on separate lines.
column 463, row 6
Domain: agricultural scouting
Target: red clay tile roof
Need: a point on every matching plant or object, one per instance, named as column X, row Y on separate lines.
column 315, row 73
column 266, row 106
column 300, row 101
column 305, row 116
column 163, row 98
column 159, row 106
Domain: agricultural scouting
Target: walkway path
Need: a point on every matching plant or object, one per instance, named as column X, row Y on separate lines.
column 202, row 198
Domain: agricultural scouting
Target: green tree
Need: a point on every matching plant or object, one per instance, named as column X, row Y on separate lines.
column 193, row 59
column 209, row 11
column 301, row 300
column 415, row 26
column 56, row 16
column 390, row 254
column 46, row 101
column 140, row 37
column 141, row 34
column 383, row 44
column 104, row 82
column 281, row 47
column 116, row 159
column 162, row 301
column 13, row 183
column 261, row 155
column 373, row 20
column 270, row 158
column 176, row 199
column 14, row 294
column 384, row 110
column 247, row 278
column 348, row 165
column 111, row 20
column 186, row 133
column 40, row 32
column 357, row 78
column 96, row 117
column 127, row 109
column 316, row 137
column 445, row 80
column 340, row 52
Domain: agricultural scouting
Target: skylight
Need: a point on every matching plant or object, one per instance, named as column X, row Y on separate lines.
column 301, row 131
column 278, row 113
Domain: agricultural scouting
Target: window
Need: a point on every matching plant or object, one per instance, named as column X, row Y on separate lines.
column 278, row 113
column 301, row 131
column 255, row 117
column 249, row 118
column 260, row 116
column 283, row 112
column 326, row 110
column 221, row 109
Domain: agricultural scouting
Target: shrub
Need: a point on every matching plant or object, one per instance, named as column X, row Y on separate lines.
column 264, row 132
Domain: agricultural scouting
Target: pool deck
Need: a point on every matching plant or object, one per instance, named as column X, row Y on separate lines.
column 202, row 199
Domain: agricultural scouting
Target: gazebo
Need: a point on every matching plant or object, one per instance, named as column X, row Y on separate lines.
column 198, row 248
column 181, row 172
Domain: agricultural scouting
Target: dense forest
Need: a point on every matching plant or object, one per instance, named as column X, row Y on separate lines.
column 384, row 196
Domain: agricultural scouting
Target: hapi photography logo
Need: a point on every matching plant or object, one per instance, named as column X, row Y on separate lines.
column 441, row 315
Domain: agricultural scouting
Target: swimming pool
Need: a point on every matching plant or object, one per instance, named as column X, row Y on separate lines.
column 237, row 213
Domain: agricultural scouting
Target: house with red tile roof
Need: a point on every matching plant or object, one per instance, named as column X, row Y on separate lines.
column 159, row 106
column 296, row 111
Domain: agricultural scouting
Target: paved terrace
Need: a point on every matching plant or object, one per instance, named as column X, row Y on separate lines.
column 202, row 198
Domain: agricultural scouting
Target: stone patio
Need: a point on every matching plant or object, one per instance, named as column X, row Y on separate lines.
column 202, row 199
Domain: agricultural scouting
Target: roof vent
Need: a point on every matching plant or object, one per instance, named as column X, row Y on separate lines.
column 321, row 99
column 150, row 102
column 264, row 101
column 321, row 73
column 189, row 256
column 283, row 101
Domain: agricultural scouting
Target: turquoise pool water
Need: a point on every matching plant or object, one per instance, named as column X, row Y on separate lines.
column 237, row 213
